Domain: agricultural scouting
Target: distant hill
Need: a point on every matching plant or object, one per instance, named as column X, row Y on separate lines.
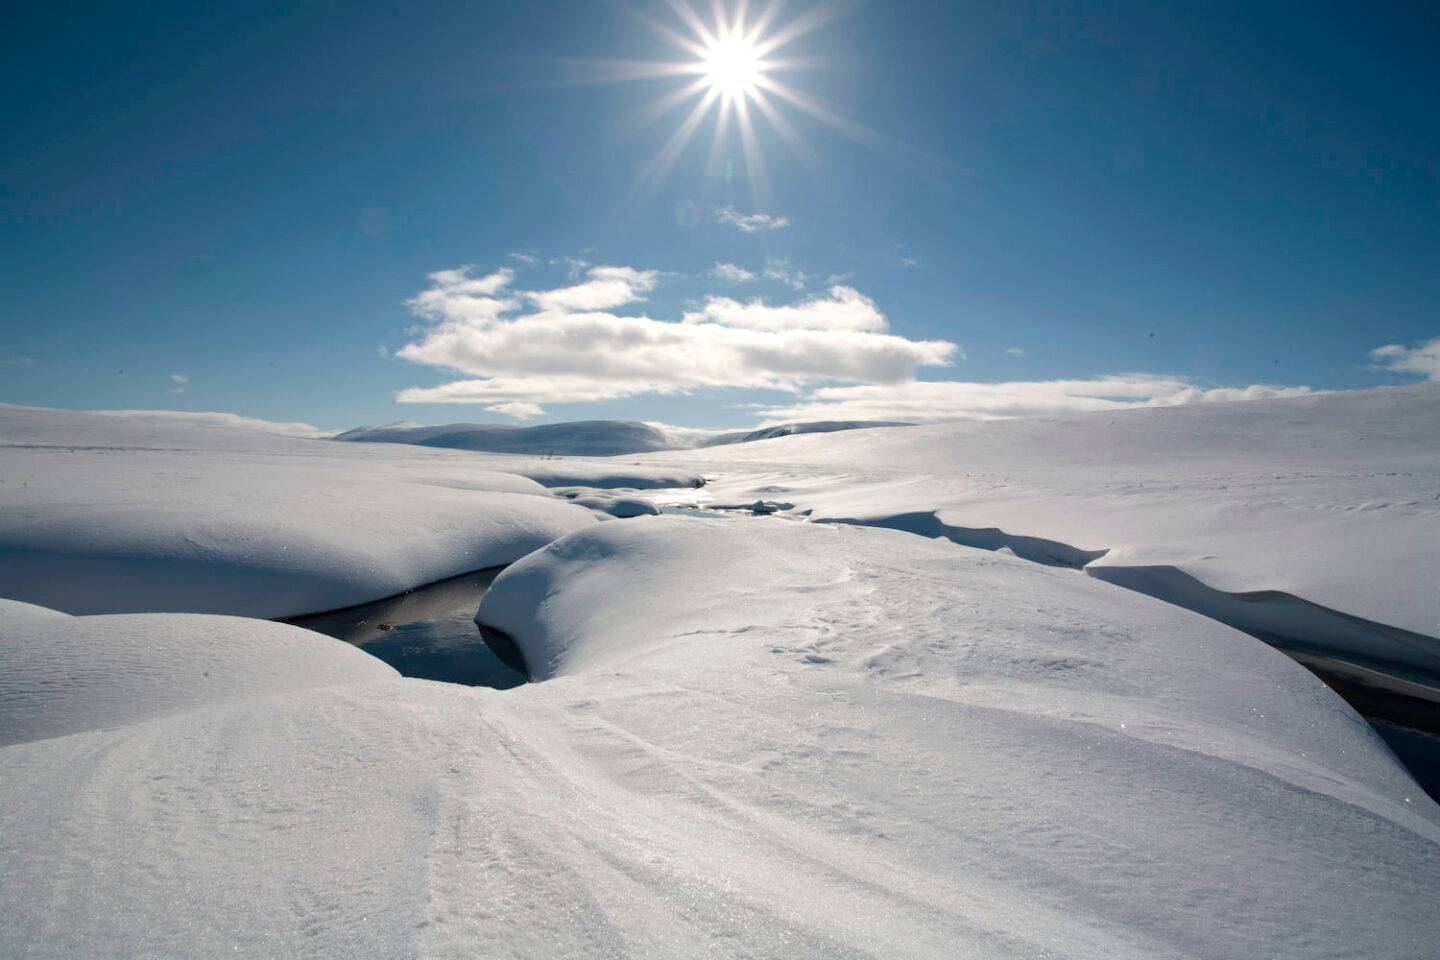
column 581, row 438
column 787, row 429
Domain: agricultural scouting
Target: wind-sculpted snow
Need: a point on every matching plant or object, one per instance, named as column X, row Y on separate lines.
column 66, row 674
column 586, row 438
column 757, row 739
column 608, row 503
column 117, row 516
column 583, row 438
column 602, row 474
column 1331, row 498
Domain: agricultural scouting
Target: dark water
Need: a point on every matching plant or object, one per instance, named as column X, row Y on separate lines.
column 428, row 633
column 1419, row 751
column 1405, row 711
column 690, row 512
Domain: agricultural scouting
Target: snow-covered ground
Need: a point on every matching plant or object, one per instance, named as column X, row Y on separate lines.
column 750, row 738
column 582, row 438
column 758, row 739
column 104, row 514
column 1331, row 499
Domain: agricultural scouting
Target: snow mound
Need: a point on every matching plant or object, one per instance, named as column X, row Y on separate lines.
column 585, row 438
column 604, row 474
column 1330, row 498
column 67, row 674
column 607, row 503
column 759, row 739
column 118, row 516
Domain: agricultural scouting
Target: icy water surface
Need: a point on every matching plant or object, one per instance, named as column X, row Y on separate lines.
column 427, row 633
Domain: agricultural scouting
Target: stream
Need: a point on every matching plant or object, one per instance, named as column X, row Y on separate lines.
column 428, row 633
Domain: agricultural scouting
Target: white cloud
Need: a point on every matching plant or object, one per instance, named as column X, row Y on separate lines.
column 751, row 223
column 517, row 409
column 844, row 309
column 179, row 378
column 607, row 288
column 1015, row 351
column 528, row 259
column 382, row 351
column 960, row 400
column 731, row 272
column 457, row 298
column 570, row 349
column 1423, row 359
column 291, row 429
column 909, row 262
column 779, row 268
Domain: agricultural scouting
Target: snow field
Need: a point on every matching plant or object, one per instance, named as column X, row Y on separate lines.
column 119, row 516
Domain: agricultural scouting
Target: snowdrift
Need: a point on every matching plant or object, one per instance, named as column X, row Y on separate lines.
column 1330, row 498
column 67, row 674
column 760, row 739
column 581, row 438
column 585, row 438
column 104, row 514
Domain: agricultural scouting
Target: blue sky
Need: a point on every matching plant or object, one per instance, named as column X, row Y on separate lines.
column 265, row 209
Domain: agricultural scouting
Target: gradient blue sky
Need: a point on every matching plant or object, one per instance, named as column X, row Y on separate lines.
column 233, row 206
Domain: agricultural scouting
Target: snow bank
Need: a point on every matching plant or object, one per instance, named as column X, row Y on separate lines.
column 1330, row 498
column 585, row 438
column 760, row 739
column 66, row 674
column 981, row 730
column 603, row 474
column 102, row 514
column 607, row 503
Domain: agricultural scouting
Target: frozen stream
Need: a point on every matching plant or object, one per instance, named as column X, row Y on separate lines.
column 428, row 633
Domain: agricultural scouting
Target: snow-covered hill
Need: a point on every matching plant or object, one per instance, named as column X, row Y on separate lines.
column 1330, row 498
column 109, row 514
column 790, row 429
column 583, row 438
column 759, row 739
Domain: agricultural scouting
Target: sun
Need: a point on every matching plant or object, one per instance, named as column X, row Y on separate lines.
column 732, row 66
column 730, row 69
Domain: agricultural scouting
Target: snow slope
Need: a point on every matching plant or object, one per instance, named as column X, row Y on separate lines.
column 68, row 674
column 581, row 438
column 759, row 739
column 106, row 514
column 585, row 438
column 790, row 429
column 1329, row 498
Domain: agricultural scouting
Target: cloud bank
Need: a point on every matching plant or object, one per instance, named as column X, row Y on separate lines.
column 516, row 351
column 289, row 429
column 958, row 400
column 1423, row 359
column 522, row 349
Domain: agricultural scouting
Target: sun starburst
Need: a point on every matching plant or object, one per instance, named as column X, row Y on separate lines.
column 729, row 75
column 732, row 66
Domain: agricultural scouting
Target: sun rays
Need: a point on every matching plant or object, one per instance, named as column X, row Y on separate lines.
column 729, row 76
